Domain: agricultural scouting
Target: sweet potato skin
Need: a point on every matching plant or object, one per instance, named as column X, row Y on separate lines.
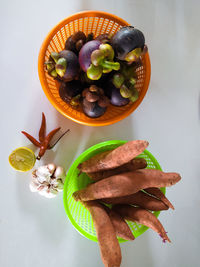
column 126, row 184
column 115, row 158
column 140, row 199
column 134, row 164
column 121, row 227
column 156, row 192
column 108, row 243
column 142, row 216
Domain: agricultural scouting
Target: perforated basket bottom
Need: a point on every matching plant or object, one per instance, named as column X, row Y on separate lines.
column 77, row 213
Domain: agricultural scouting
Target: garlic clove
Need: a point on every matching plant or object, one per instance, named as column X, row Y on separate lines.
column 60, row 188
column 45, row 183
column 42, row 188
column 51, row 193
column 54, row 182
column 60, row 185
column 43, row 174
column 42, row 178
column 63, row 179
column 34, row 174
column 51, row 167
column 33, row 186
column 59, row 172
column 43, row 170
column 48, row 193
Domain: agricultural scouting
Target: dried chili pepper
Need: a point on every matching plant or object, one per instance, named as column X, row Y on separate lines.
column 44, row 140
column 42, row 131
column 32, row 139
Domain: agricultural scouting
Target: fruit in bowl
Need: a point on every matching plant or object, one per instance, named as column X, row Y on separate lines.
column 72, row 34
column 85, row 63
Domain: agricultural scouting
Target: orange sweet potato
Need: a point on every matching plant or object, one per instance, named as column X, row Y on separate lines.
column 115, row 158
column 142, row 216
column 156, row 192
column 108, row 243
column 140, row 199
column 126, row 184
column 132, row 165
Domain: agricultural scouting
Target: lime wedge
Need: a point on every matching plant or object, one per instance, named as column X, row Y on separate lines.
column 22, row 159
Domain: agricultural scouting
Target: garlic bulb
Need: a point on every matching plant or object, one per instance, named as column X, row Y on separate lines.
column 47, row 180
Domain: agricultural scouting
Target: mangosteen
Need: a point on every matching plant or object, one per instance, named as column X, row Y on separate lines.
column 92, row 109
column 115, row 96
column 128, row 43
column 69, row 90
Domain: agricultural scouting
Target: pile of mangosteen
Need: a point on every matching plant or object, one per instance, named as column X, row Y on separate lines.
column 96, row 72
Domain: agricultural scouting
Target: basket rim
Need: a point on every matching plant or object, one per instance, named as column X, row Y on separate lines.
column 41, row 72
column 71, row 170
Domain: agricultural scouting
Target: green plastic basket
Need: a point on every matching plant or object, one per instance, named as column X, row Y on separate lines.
column 76, row 212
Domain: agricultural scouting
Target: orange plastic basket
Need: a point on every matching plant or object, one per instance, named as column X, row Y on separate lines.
column 96, row 22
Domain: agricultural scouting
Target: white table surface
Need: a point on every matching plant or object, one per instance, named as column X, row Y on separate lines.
column 35, row 231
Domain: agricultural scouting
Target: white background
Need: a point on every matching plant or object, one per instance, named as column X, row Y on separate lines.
column 35, row 231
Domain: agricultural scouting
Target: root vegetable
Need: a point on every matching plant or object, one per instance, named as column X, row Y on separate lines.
column 140, row 199
column 121, row 227
column 126, row 184
column 133, row 165
column 142, row 216
column 115, row 158
column 108, row 243
column 156, row 192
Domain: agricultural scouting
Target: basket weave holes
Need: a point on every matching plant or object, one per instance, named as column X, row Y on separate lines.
column 67, row 30
column 85, row 24
column 76, row 26
column 63, row 34
column 105, row 25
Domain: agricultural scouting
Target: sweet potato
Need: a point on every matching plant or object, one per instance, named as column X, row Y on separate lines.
column 115, row 158
column 142, row 216
column 108, row 243
column 120, row 225
column 132, row 165
column 156, row 192
column 140, row 199
column 126, row 184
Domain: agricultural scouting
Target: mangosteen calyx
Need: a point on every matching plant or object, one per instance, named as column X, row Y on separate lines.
column 102, row 62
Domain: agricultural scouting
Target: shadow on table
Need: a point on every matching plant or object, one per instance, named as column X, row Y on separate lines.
column 48, row 214
column 137, row 253
column 134, row 253
column 82, row 137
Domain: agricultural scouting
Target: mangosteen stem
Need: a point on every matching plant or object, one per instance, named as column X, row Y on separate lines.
column 110, row 65
column 94, row 73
